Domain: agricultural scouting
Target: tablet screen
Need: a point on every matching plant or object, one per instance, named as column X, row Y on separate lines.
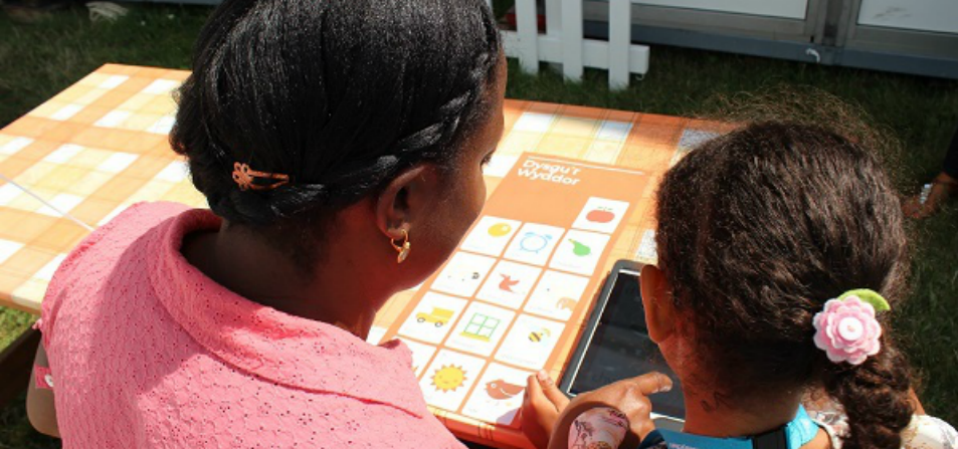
column 620, row 348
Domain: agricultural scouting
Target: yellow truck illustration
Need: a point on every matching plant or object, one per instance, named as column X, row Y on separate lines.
column 438, row 317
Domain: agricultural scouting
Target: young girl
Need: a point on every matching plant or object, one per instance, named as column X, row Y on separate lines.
column 781, row 259
column 340, row 146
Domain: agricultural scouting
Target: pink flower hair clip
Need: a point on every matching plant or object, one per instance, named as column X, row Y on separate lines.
column 847, row 329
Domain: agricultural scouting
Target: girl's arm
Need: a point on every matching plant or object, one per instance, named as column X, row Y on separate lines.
column 40, row 408
column 628, row 399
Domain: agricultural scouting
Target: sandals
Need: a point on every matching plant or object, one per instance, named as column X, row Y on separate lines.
column 931, row 198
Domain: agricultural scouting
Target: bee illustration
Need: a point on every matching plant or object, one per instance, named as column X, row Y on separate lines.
column 538, row 335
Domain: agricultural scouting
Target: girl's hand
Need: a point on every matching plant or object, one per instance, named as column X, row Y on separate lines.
column 629, row 396
column 541, row 405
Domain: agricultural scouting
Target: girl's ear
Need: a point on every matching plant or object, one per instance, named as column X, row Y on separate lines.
column 660, row 313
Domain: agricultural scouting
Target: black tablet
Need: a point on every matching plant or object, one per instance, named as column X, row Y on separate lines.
column 615, row 345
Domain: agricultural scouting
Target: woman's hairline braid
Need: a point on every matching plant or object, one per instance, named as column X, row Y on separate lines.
column 284, row 203
column 387, row 164
column 485, row 64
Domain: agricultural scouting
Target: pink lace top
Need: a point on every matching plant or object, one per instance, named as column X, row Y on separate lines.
column 146, row 351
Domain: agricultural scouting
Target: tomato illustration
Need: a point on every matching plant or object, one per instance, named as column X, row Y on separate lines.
column 600, row 215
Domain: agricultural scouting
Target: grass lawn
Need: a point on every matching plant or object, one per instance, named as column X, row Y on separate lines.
column 39, row 60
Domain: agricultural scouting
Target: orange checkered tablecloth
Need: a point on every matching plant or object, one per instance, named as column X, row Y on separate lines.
column 77, row 160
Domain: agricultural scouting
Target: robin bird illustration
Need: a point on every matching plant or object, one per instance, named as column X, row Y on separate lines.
column 501, row 390
column 507, row 283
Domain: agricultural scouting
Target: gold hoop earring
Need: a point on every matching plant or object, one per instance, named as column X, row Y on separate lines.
column 402, row 250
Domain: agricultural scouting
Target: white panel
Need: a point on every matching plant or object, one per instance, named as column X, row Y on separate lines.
column 595, row 53
column 553, row 17
column 554, row 23
column 620, row 32
column 527, row 27
column 923, row 15
column 572, row 39
column 792, row 9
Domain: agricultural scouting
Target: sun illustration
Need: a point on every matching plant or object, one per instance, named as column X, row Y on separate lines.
column 448, row 378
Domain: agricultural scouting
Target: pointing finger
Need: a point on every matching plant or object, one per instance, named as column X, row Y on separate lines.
column 652, row 383
column 551, row 390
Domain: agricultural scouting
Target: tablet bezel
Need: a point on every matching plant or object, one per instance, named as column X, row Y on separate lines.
column 628, row 267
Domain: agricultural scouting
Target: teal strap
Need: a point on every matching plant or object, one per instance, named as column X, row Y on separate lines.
column 679, row 440
column 801, row 430
column 798, row 432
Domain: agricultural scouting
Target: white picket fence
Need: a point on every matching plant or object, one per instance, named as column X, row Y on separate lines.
column 564, row 44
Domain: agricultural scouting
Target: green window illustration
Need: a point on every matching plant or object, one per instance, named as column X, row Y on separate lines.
column 481, row 327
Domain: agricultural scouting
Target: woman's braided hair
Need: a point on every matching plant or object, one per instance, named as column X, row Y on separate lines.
column 339, row 94
column 756, row 230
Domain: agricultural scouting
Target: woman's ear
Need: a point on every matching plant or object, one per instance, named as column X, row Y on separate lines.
column 660, row 313
column 407, row 199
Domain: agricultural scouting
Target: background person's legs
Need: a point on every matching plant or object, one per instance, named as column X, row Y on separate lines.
column 944, row 185
column 951, row 159
column 32, row 10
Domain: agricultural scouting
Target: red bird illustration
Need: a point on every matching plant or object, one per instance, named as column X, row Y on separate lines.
column 499, row 389
column 507, row 283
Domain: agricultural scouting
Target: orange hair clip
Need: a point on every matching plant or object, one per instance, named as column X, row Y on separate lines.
column 244, row 177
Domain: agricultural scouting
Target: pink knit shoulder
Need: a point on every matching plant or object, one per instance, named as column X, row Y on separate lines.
column 148, row 352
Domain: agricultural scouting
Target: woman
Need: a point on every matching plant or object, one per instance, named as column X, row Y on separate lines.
column 340, row 146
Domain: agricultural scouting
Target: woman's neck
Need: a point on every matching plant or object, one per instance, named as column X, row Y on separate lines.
column 252, row 269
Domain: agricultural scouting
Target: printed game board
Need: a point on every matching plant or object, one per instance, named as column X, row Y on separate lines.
column 517, row 290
